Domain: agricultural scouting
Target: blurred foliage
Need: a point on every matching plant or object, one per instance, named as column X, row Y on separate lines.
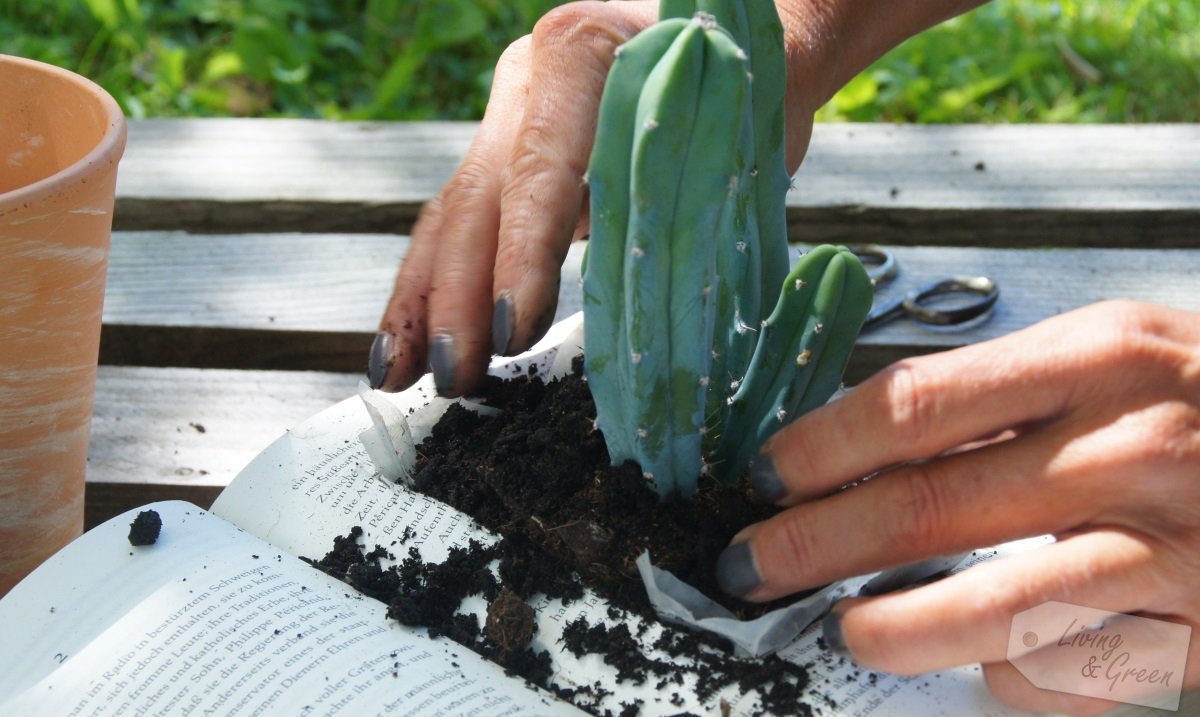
column 1039, row 61
column 1010, row 61
column 359, row 59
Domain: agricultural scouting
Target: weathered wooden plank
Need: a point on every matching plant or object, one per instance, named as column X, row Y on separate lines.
column 1079, row 185
column 309, row 301
column 1035, row 284
column 185, row 433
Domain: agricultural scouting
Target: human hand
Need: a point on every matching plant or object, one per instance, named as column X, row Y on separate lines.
column 1085, row 426
column 492, row 241
column 482, row 272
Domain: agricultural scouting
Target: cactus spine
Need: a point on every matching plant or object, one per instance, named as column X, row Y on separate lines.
column 688, row 184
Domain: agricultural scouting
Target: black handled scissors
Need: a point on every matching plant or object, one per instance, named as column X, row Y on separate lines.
column 882, row 267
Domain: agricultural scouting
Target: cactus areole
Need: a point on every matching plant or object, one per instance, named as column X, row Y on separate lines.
column 688, row 252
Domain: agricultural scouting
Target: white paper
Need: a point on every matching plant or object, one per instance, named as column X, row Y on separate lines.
column 388, row 442
column 680, row 603
column 210, row 620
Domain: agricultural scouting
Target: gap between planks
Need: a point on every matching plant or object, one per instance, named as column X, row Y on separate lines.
column 313, row 302
column 1002, row 185
column 185, row 433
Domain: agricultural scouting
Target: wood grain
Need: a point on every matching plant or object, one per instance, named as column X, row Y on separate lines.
column 1076, row 185
column 289, row 276
column 312, row 301
column 185, row 433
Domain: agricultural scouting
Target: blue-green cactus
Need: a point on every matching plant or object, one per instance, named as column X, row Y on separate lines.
column 802, row 351
column 688, row 183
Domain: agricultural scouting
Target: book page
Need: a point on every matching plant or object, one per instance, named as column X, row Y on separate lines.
column 317, row 482
column 210, row 620
column 839, row 687
column 856, row 692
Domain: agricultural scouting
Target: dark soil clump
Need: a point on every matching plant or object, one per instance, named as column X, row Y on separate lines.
column 538, row 475
column 510, row 622
column 539, row 472
column 145, row 528
column 428, row 595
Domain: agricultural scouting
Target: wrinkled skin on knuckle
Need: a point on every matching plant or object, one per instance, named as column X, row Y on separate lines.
column 1156, row 454
column 429, row 219
column 1131, row 343
column 470, row 182
column 910, row 402
column 538, row 146
column 919, row 518
column 591, row 27
column 581, row 39
column 798, row 545
column 1167, row 438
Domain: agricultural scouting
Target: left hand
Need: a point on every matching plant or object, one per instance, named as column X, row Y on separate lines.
column 1085, row 426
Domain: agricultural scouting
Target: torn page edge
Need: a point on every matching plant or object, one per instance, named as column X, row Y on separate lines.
column 388, row 441
column 678, row 602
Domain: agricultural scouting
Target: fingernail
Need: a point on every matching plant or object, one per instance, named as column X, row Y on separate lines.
column 765, row 479
column 443, row 363
column 380, row 358
column 831, row 628
column 736, row 573
column 501, row 325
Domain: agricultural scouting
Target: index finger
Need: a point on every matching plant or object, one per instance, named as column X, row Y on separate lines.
column 924, row 406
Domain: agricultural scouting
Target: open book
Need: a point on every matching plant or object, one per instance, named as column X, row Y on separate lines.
column 221, row 617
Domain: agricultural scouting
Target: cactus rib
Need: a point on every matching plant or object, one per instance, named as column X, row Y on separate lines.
column 688, row 245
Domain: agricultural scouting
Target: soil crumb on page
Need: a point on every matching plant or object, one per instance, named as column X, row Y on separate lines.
column 538, row 475
column 430, row 595
column 145, row 528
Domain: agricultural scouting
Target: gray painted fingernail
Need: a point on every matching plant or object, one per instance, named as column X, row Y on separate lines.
column 502, row 321
column 765, row 479
column 831, row 628
column 736, row 573
column 443, row 362
column 380, row 358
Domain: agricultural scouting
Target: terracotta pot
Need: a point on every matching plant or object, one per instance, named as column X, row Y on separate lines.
column 61, row 137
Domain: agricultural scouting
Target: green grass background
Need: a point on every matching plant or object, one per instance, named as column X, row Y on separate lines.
column 1009, row 61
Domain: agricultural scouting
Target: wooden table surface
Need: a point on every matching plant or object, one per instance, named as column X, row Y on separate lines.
column 251, row 260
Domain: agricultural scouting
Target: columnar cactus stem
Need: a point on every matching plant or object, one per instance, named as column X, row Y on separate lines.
column 802, row 352
column 754, row 253
column 680, row 172
column 688, row 239
column 608, row 183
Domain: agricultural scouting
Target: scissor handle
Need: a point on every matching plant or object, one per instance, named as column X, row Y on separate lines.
column 880, row 263
column 986, row 289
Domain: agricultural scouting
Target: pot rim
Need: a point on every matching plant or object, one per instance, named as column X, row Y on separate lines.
column 108, row 150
